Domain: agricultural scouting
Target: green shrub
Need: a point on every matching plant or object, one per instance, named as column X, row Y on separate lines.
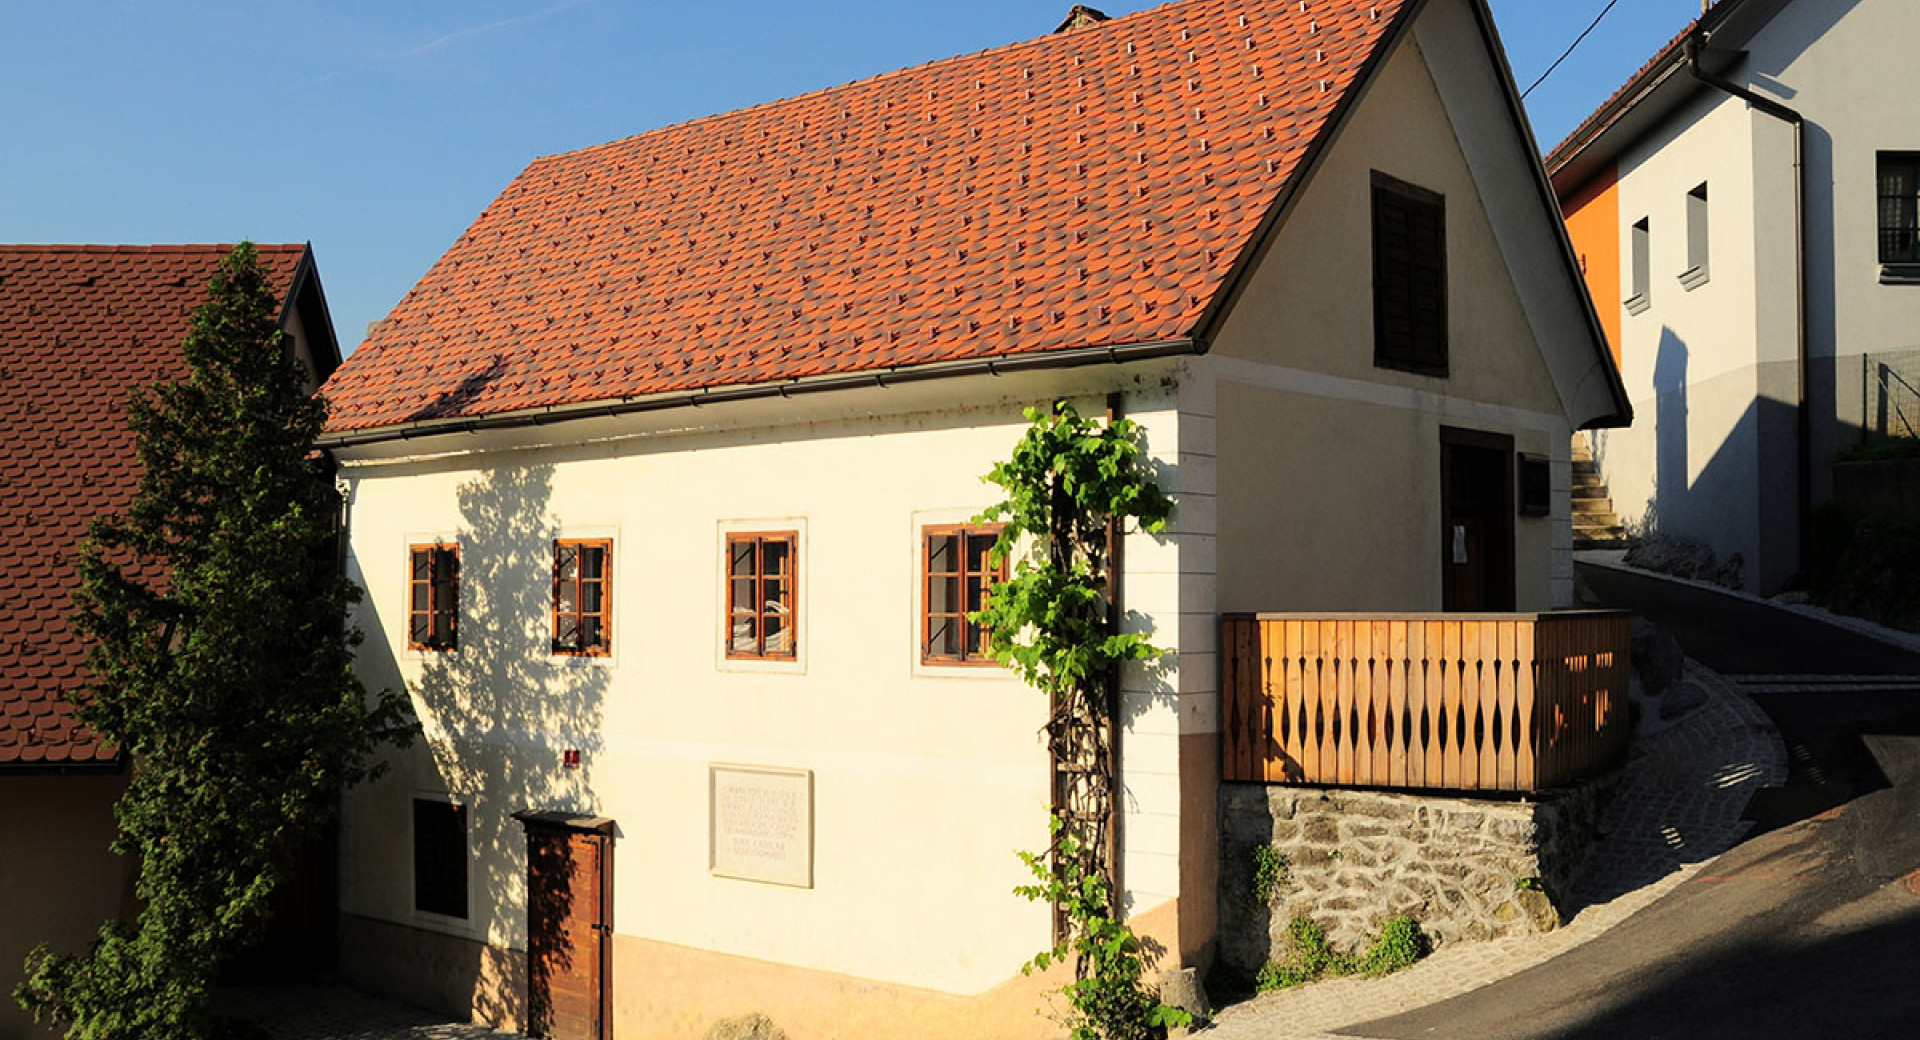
column 1866, row 564
column 1881, row 450
column 1399, row 945
column 1269, row 874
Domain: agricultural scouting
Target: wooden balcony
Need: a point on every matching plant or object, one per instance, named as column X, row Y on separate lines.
column 1456, row 702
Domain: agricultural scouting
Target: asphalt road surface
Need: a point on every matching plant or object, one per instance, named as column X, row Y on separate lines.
column 1808, row 929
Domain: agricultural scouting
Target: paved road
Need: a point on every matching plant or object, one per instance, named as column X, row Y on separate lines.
column 1809, row 929
column 1736, row 636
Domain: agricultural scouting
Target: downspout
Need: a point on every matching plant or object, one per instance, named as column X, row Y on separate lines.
column 1803, row 431
column 1116, row 613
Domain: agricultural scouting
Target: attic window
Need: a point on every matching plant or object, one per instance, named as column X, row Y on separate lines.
column 1409, row 277
column 1080, row 17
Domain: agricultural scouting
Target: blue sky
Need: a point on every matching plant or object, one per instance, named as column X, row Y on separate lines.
column 379, row 130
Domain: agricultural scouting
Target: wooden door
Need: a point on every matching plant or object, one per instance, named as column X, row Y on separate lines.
column 569, row 933
column 1476, row 520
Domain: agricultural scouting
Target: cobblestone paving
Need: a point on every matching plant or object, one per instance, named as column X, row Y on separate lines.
column 339, row 1013
column 1677, row 808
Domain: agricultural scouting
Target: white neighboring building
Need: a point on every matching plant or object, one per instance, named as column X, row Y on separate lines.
column 1760, row 283
column 658, row 478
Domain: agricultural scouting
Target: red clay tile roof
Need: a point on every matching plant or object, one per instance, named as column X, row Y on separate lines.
column 80, row 327
column 1085, row 189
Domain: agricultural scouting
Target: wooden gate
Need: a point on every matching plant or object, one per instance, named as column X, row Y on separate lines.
column 569, row 925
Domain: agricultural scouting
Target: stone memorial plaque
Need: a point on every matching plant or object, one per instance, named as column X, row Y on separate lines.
column 760, row 823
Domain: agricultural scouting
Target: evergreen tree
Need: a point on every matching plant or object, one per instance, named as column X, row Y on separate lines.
column 221, row 668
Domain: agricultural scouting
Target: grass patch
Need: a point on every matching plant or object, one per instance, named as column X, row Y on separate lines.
column 1308, row 958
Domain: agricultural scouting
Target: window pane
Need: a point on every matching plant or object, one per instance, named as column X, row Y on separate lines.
column 943, row 595
column 593, row 562
column 943, row 639
column 742, row 595
column 446, row 566
column 421, row 631
column 591, row 635
column 566, row 562
column 745, row 635
column 420, row 565
column 979, row 548
column 941, row 555
column 440, row 858
column 976, row 593
column 443, row 627
column 740, row 555
column 779, row 636
column 420, row 601
column 778, row 556
column 567, row 632
column 565, row 597
column 779, row 596
column 591, row 593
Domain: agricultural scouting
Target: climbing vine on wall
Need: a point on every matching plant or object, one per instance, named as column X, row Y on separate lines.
column 1070, row 482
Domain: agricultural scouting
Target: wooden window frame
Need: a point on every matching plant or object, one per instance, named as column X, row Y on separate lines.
column 1409, row 279
column 435, row 609
column 604, row 646
column 758, row 611
column 973, row 653
column 446, row 870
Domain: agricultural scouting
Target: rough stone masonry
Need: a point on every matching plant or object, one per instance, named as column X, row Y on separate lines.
column 1465, row 869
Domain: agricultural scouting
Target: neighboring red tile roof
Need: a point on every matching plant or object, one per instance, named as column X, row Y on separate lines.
column 80, row 328
column 1088, row 188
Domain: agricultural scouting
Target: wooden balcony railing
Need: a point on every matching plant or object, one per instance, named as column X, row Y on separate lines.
column 1459, row 702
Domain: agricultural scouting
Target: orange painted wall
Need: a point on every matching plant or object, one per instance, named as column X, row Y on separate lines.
column 1593, row 222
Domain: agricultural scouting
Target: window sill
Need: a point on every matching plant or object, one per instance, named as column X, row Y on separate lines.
column 1410, row 367
column 1693, row 278
column 1900, row 274
column 1637, row 303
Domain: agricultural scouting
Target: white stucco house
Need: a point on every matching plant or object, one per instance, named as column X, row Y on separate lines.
column 1744, row 209
column 660, row 484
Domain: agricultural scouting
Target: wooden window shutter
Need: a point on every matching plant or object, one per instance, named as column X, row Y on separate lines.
column 1409, row 277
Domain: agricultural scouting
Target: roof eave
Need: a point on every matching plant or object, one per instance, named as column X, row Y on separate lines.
column 1000, row 364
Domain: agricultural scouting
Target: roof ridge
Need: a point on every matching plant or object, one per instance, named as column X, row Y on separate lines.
column 184, row 247
column 981, row 54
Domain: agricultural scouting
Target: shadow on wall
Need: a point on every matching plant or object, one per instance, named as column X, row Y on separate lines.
column 500, row 712
column 1743, row 499
column 1670, row 483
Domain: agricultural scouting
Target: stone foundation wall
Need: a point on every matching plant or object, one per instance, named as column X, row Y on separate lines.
column 1465, row 869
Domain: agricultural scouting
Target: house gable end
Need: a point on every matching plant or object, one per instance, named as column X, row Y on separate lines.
column 1308, row 306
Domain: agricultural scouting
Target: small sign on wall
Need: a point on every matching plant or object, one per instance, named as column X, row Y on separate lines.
column 760, row 821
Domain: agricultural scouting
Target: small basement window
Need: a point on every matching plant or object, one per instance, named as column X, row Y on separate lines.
column 440, row 857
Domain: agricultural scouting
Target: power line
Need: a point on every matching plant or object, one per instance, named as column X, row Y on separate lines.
column 1569, row 50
